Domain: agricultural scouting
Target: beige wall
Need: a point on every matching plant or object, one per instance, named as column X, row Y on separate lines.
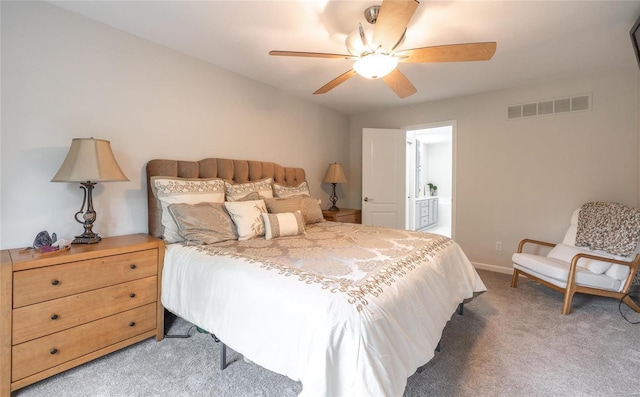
column 522, row 178
column 65, row 76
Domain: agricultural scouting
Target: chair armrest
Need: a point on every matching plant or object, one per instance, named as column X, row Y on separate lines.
column 537, row 242
column 571, row 280
column 577, row 257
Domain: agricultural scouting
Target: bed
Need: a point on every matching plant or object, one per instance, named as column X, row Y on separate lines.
column 347, row 310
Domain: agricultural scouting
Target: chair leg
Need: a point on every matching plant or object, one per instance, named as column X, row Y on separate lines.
column 514, row 278
column 568, row 297
column 631, row 303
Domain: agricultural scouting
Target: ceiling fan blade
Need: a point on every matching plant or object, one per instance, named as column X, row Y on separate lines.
column 399, row 83
column 335, row 82
column 449, row 53
column 393, row 18
column 309, row 54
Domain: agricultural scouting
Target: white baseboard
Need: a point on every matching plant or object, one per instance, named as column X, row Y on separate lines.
column 493, row 268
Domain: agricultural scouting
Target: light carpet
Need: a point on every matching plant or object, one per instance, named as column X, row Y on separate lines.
column 509, row 342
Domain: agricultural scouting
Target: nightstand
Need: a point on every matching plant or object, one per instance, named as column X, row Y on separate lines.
column 346, row 215
column 64, row 309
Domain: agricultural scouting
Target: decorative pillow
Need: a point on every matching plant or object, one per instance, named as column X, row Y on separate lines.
column 250, row 197
column 282, row 225
column 247, row 216
column 566, row 253
column 173, row 190
column 286, row 191
column 309, row 206
column 236, row 191
column 203, row 223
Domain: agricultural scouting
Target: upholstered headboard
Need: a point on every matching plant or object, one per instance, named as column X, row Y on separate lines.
column 236, row 171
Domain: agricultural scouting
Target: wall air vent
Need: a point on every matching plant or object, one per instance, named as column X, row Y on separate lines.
column 553, row 106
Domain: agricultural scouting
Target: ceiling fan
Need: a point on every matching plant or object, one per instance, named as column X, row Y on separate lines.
column 375, row 49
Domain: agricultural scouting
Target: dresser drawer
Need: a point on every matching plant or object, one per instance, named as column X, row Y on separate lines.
column 344, row 215
column 52, row 282
column 34, row 321
column 39, row 354
column 351, row 218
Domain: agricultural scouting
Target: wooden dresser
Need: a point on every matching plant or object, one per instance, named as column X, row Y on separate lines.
column 62, row 310
column 345, row 215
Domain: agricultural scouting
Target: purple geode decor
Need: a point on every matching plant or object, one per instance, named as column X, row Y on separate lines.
column 43, row 239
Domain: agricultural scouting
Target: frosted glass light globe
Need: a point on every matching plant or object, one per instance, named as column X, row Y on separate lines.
column 374, row 66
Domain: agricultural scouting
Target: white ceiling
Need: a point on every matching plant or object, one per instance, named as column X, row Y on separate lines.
column 537, row 41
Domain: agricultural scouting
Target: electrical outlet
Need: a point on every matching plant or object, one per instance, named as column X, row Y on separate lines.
column 498, row 245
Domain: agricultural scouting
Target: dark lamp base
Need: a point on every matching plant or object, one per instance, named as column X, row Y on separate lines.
column 333, row 198
column 88, row 218
column 82, row 239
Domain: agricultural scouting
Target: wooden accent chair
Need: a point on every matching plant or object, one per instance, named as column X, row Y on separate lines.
column 570, row 269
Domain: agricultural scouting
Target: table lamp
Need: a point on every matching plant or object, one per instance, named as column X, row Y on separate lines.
column 334, row 175
column 89, row 161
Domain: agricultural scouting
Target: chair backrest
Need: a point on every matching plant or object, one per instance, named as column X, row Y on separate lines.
column 616, row 271
column 570, row 235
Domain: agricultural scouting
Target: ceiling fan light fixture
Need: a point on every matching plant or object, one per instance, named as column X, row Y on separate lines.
column 354, row 43
column 375, row 66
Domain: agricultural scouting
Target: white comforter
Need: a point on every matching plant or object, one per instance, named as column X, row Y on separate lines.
column 337, row 338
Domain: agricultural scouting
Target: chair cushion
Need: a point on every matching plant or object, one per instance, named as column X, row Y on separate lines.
column 619, row 272
column 558, row 270
column 566, row 253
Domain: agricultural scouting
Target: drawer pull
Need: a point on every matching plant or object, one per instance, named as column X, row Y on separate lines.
column 132, row 324
column 54, row 317
column 133, row 266
column 55, row 282
column 132, row 295
column 53, row 351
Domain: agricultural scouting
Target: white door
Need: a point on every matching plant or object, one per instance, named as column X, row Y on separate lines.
column 383, row 177
column 410, row 181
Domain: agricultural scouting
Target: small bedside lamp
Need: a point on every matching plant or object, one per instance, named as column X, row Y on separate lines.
column 89, row 161
column 334, row 175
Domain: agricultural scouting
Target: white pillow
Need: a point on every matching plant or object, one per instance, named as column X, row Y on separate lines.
column 286, row 191
column 247, row 216
column 173, row 190
column 236, row 191
column 566, row 253
column 282, row 225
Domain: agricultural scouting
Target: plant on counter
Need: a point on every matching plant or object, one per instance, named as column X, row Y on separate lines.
column 433, row 189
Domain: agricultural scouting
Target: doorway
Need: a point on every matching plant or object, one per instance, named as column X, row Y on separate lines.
column 434, row 176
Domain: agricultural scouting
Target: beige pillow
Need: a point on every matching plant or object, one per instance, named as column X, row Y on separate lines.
column 203, row 223
column 282, row 225
column 173, row 190
column 286, row 191
column 236, row 191
column 247, row 216
column 309, row 206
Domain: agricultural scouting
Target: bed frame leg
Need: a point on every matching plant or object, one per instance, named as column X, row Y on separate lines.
column 461, row 309
column 223, row 356
column 223, row 352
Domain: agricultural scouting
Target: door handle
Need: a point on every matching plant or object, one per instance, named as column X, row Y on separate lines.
column 368, row 199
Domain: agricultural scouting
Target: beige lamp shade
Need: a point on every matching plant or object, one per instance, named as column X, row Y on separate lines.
column 89, row 159
column 335, row 174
